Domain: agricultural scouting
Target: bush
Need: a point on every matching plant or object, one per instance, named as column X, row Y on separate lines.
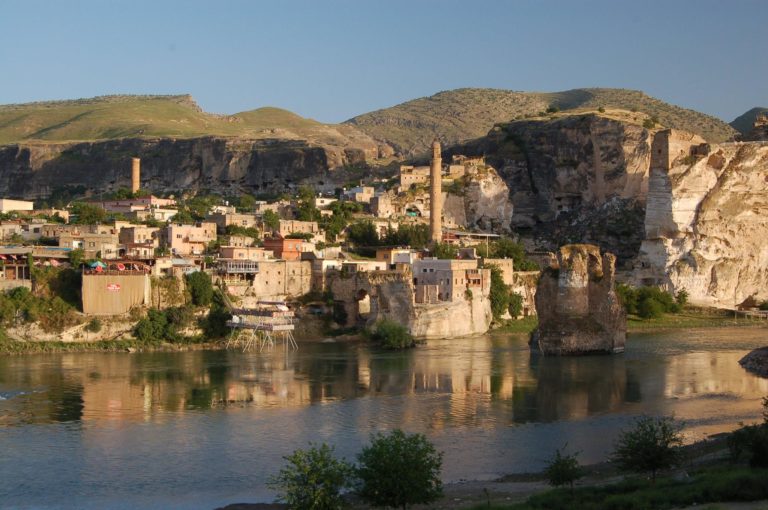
column 153, row 328
column 515, row 304
column 649, row 308
column 313, row 479
column 398, row 470
column 499, row 294
column 563, row 469
column 445, row 251
column 649, row 124
column 392, row 335
column 653, row 444
column 215, row 323
column 94, row 326
column 200, row 288
column 681, row 298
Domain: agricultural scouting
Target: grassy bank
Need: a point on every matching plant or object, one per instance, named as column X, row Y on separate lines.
column 10, row 346
column 704, row 486
column 667, row 321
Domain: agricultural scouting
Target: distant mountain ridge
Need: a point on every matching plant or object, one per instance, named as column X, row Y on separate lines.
column 463, row 114
column 744, row 122
column 408, row 128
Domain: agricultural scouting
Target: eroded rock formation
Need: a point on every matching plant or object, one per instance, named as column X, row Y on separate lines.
column 579, row 311
column 484, row 204
column 705, row 221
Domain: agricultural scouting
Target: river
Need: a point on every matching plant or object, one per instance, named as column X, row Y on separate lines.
column 201, row 429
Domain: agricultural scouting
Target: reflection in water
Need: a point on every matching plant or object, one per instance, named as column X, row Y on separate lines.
column 488, row 402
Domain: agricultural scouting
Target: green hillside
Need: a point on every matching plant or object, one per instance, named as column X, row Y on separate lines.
column 743, row 123
column 110, row 117
column 463, row 114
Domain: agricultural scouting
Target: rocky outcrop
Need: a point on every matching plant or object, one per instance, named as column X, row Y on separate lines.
column 35, row 170
column 705, row 220
column 756, row 362
column 483, row 204
column 561, row 171
column 579, row 311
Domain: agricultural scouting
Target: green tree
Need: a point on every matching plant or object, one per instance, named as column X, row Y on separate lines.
column 499, row 294
column 306, row 210
column 392, row 335
column 563, row 469
column 312, row 479
column 445, row 251
column 76, row 258
column 215, row 323
column 506, row 248
column 681, row 298
column 200, row 288
column 363, row 234
column 652, row 445
column 246, row 203
column 84, row 213
column 649, row 308
column 515, row 304
column 398, row 470
column 271, row 220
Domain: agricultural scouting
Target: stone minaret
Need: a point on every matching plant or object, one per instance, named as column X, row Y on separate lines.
column 135, row 174
column 436, row 194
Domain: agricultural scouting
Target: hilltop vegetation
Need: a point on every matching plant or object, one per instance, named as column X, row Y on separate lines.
column 110, row 117
column 743, row 123
column 468, row 113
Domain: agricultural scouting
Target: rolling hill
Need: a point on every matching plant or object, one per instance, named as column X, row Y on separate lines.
column 463, row 114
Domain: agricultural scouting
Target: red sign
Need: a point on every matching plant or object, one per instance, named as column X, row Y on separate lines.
column 114, row 287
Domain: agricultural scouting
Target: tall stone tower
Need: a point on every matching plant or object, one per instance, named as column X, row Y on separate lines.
column 436, row 194
column 135, row 175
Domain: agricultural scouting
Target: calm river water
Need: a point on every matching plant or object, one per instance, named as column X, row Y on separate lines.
column 206, row 428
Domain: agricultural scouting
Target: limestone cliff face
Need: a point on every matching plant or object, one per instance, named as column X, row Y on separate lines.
column 560, row 171
column 484, row 205
column 35, row 170
column 579, row 311
column 705, row 223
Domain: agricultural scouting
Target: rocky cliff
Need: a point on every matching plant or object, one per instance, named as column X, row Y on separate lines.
column 480, row 202
column 573, row 177
column 579, row 311
column 706, row 220
column 35, row 170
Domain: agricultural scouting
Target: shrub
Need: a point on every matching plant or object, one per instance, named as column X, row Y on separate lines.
column 653, row 444
column 151, row 329
column 215, row 323
column 563, row 469
column 398, row 470
column 515, row 304
column 313, row 479
column 445, row 251
column 649, row 308
column 601, row 110
column 499, row 294
column 681, row 298
column 200, row 288
column 392, row 335
column 649, row 124
column 94, row 326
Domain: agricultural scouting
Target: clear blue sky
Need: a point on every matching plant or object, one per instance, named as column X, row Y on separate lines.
column 331, row 60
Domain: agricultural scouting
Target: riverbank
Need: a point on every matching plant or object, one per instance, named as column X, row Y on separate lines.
column 683, row 320
column 668, row 322
column 706, row 469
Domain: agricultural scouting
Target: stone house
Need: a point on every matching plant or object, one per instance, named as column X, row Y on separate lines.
column 223, row 220
column 244, row 253
column 361, row 194
column 288, row 227
column 189, row 239
column 382, row 206
column 139, row 234
column 8, row 205
column 95, row 245
column 287, row 249
column 410, row 175
column 448, row 280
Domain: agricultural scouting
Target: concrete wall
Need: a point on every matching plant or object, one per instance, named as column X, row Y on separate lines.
column 113, row 294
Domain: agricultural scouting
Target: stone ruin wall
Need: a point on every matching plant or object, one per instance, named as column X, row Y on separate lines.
column 579, row 311
column 391, row 295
